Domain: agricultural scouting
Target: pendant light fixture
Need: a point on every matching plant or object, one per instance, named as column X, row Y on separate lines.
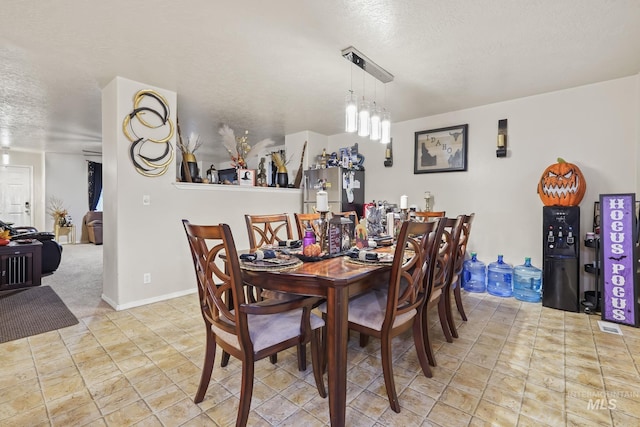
column 385, row 128
column 364, row 125
column 351, row 109
column 351, row 113
column 373, row 122
column 376, row 129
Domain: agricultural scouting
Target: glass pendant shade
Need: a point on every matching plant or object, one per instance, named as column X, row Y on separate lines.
column 375, row 124
column 385, row 128
column 364, row 125
column 351, row 113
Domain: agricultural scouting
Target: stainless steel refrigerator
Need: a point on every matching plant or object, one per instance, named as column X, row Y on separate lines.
column 344, row 187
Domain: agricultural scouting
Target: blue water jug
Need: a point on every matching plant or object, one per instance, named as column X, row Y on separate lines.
column 474, row 275
column 499, row 278
column 527, row 282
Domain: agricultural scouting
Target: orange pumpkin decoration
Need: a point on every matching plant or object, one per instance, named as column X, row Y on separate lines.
column 562, row 184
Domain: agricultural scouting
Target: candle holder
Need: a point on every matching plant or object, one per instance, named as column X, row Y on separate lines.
column 427, row 201
column 404, row 214
column 322, row 227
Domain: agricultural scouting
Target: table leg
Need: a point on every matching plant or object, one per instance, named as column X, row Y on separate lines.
column 337, row 337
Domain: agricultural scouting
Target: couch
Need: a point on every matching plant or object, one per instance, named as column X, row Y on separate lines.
column 93, row 222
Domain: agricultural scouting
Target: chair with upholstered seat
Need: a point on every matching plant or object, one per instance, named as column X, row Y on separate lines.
column 304, row 220
column 426, row 216
column 269, row 230
column 440, row 281
column 456, row 279
column 247, row 331
column 386, row 312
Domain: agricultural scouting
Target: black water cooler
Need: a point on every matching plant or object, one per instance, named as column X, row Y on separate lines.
column 561, row 257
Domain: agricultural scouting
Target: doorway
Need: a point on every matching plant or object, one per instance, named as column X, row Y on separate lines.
column 16, row 194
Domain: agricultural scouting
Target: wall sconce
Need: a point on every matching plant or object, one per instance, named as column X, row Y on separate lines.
column 5, row 155
column 502, row 138
column 388, row 155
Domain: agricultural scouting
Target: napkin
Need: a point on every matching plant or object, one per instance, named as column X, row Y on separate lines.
column 290, row 243
column 258, row 255
column 363, row 255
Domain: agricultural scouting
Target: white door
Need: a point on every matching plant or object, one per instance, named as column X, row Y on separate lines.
column 15, row 195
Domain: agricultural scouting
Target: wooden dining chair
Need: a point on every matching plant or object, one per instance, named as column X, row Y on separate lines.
column 268, row 230
column 247, row 331
column 456, row 279
column 426, row 216
column 307, row 219
column 438, row 285
column 386, row 312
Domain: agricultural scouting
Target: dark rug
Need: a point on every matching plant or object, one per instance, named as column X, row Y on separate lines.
column 32, row 311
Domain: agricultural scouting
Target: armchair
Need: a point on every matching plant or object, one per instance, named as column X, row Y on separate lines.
column 93, row 222
column 51, row 250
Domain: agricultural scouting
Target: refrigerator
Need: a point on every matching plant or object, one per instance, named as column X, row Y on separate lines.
column 345, row 188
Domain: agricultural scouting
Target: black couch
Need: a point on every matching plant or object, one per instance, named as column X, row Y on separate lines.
column 51, row 250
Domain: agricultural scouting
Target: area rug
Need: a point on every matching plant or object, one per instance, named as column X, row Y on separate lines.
column 32, row 311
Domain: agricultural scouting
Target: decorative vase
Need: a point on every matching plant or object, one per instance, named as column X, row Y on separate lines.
column 282, row 177
column 193, row 168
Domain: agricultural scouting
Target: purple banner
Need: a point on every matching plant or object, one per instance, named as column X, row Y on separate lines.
column 617, row 242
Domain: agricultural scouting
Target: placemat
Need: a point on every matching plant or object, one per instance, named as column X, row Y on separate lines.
column 273, row 264
column 385, row 259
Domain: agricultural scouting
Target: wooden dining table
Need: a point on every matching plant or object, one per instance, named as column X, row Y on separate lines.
column 336, row 279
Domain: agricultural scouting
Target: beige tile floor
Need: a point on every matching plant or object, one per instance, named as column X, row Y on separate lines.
column 515, row 364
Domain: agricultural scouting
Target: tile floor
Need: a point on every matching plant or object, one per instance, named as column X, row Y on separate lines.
column 515, row 364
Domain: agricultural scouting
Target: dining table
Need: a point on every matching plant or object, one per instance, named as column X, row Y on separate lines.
column 336, row 279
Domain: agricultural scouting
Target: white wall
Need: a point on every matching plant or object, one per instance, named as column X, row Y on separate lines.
column 67, row 180
column 141, row 239
column 594, row 126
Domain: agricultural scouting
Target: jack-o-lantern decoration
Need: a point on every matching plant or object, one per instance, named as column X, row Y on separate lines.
column 562, row 184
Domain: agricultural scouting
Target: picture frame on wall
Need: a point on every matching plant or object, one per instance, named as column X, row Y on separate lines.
column 441, row 150
column 247, row 177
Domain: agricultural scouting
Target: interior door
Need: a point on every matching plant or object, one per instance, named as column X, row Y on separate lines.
column 15, row 194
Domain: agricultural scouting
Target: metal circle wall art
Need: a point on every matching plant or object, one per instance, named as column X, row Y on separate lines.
column 150, row 121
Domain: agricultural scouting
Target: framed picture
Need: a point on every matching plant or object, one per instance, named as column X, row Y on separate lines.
column 247, row 177
column 441, row 150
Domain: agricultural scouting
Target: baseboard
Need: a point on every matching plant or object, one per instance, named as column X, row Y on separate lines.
column 146, row 301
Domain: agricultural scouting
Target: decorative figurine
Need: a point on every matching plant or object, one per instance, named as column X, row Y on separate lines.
column 261, row 179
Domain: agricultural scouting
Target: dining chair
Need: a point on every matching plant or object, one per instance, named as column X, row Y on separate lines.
column 426, row 216
column 386, row 312
column 438, row 285
column 307, row 219
column 456, row 279
column 268, row 230
column 247, row 331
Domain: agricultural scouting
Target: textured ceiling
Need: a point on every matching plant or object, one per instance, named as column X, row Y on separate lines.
column 275, row 68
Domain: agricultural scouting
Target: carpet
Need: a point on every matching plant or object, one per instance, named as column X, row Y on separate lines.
column 32, row 311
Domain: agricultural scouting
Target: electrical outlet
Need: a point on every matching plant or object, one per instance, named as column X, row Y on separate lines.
column 146, row 278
